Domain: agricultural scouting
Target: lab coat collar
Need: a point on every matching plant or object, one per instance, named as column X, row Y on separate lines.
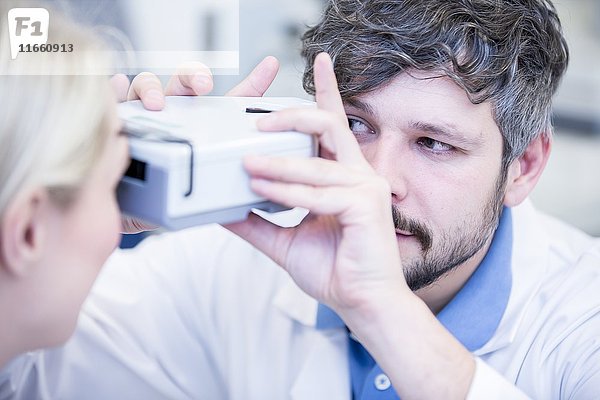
column 324, row 371
column 530, row 258
column 296, row 304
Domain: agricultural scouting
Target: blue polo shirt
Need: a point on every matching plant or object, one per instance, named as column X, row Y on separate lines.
column 472, row 316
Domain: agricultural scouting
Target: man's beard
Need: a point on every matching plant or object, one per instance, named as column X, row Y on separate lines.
column 453, row 247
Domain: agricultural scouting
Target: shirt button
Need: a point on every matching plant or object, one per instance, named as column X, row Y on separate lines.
column 382, row 382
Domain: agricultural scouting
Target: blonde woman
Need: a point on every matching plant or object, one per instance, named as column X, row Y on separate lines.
column 61, row 157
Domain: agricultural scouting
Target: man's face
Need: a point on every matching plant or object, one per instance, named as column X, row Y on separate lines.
column 442, row 157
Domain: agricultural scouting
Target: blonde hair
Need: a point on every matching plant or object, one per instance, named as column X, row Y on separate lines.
column 53, row 116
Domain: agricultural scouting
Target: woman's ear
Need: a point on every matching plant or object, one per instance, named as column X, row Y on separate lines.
column 23, row 231
column 525, row 171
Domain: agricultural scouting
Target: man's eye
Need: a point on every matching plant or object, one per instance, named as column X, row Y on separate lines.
column 434, row 145
column 358, row 127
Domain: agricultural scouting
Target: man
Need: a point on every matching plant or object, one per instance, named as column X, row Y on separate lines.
column 449, row 106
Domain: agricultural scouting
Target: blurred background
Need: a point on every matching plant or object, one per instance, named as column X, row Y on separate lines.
column 570, row 186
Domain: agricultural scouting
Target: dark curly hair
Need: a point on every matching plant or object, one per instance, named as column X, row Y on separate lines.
column 509, row 52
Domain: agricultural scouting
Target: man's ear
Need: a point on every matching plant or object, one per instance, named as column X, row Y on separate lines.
column 525, row 171
column 23, row 231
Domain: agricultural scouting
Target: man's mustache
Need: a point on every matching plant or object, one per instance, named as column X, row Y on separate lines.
column 421, row 232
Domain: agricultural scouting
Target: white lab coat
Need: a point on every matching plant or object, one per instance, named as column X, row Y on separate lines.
column 200, row 314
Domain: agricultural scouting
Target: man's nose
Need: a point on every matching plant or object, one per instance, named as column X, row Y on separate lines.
column 386, row 157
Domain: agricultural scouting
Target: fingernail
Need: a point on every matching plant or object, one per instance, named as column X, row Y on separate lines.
column 201, row 82
column 155, row 97
column 327, row 61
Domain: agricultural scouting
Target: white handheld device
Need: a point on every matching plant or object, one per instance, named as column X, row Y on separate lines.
column 186, row 166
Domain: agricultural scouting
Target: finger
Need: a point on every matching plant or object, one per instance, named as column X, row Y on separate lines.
column 309, row 171
column 325, row 200
column 191, row 79
column 260, row 233
column 253, row 228
column 120, row 85
column 349, row 203
column 259, row 80
column 332, row 132
column 327, row 92
column 147, row 87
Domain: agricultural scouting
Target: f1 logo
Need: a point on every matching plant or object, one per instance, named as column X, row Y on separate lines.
column 27, row 26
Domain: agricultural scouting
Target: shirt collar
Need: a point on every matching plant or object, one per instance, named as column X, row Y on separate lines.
column 327, row 318
column 474, row 314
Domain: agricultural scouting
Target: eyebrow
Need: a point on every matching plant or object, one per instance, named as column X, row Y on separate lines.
column 362, row 106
